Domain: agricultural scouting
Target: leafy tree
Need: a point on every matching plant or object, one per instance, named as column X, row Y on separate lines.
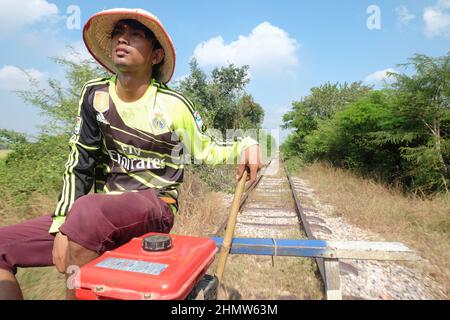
column 221, row 97
column 250, row 114
column 195, row 87
column 38, row 166
column 423, row 102
column 230, row 80
column 57, row 102
column 321, row 104
column 349, row 138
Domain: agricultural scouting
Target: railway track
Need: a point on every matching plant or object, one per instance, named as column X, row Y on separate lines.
column 271, row 209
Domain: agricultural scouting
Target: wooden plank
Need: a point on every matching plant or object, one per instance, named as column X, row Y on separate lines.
column 357, row 250
column 368, row 246
column 368, row 250
column 332, row 279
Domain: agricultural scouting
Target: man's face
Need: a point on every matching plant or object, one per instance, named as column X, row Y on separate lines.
column 132, row 50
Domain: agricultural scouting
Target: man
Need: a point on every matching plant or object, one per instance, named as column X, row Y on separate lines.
column 131, row 136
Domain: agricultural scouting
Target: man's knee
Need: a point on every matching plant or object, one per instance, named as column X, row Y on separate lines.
column 86, row 226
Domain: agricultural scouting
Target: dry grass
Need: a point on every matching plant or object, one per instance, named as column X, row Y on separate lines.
column 36, row 283
column 42, row 283
column 264, row 278
column 36, row 205
column 422, row 224
column 201, row 211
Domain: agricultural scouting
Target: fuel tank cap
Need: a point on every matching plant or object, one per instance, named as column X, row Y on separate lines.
column 157, row 243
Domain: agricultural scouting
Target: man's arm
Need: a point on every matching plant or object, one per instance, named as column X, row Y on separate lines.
column 84, row 145
column 192, row 132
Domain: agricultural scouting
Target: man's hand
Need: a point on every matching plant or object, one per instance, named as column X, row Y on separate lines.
column 60, row 245
column 251, row 158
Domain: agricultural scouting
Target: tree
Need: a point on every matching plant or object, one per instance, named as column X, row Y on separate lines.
column 349, row 138
column 58, row 103
column 250, row 114
column 230, row 80
column 195, row 87
column 221, row 97
column 423, row 102
column 38, row 166
column 321, row 104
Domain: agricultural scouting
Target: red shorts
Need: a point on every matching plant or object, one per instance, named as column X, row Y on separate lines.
column 98, row 222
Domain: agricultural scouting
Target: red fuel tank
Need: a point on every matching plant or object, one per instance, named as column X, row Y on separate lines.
column 132, row 273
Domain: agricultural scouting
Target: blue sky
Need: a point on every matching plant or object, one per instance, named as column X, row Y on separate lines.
column 290, row 46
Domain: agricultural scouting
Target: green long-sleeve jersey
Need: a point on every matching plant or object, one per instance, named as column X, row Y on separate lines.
column 127, row 147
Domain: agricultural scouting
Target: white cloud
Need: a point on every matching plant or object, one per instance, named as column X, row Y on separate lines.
column 444, row 3
column 16, row 14
column 437, row 19
column 379, row 77
column 404, row 16
column 266, row 49
column 14, row 78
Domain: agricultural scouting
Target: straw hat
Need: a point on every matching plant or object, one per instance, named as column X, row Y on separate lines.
column 97, row 31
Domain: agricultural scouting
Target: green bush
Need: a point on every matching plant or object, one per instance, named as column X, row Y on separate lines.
column 34, row 167
column 348, row 140
column 399, row 135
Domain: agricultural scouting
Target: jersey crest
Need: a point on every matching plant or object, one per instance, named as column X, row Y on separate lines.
column 199, row 122
column 159, row 122
column 101, row 101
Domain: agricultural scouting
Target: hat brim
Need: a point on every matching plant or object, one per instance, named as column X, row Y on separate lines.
column 97, row 38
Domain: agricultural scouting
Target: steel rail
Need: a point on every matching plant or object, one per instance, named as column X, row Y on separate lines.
column 304, row 222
